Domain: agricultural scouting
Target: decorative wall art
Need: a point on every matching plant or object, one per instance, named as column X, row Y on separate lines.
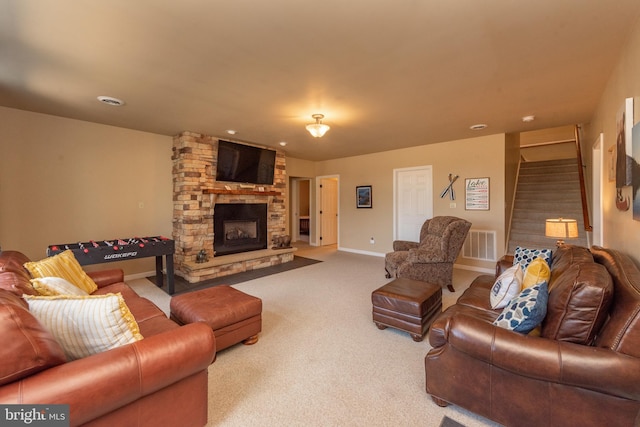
column 624, row 160
column 476, row 194
column 449, row 188
column 363, row 197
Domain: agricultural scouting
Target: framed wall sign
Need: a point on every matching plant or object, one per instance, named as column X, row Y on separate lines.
column 363, row 196
column 476, row 194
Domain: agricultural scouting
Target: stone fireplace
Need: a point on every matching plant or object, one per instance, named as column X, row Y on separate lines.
column 196, row 193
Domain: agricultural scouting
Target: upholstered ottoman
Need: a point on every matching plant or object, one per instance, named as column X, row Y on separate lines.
column 408, row 305
column 233, row 315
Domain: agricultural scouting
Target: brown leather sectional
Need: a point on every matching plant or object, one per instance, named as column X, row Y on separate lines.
column 158, row 381
column 583, row 368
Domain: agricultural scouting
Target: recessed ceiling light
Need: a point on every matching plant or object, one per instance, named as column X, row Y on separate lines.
column 479, row 126
column 110, row 100
column 231, row 132
column 528, row 119
column 282, row 143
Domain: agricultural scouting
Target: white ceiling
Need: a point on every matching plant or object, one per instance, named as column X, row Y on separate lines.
column 386, row 74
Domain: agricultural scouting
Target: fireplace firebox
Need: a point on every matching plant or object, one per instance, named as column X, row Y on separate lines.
column 239, row 227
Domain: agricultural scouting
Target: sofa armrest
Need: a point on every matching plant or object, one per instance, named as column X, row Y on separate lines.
column 593, row 368
column 107, row 277
column 503, row 264
column 101, row 383
column 404, row 245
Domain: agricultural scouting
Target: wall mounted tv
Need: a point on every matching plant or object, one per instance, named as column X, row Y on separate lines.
column 244, row 163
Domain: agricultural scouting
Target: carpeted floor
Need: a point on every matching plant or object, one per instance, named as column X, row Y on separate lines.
column 182, row 286
column 320, row 360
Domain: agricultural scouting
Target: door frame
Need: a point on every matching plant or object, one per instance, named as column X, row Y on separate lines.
column 597, row 168
column 318, row 224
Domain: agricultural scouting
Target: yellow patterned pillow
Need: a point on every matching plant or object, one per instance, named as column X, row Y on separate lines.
column 50, row 286
column 537, row 272
column 86, row 325
column 62, row 265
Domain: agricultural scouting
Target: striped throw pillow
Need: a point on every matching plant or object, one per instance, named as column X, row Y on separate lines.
column 50, row 286
column 62, row 265
column 86, row 325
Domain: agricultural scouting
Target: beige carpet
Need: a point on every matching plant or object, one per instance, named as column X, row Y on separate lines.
column 320, row 360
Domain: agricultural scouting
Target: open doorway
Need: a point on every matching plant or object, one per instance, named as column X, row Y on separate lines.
column 300, row 209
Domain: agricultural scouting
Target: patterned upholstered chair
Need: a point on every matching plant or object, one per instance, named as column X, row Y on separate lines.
column 430, row 260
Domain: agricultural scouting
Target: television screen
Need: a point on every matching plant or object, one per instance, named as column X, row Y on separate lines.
column 244, row 163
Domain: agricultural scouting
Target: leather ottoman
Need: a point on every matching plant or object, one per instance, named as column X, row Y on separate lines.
column 233, row 315
column 408, row 305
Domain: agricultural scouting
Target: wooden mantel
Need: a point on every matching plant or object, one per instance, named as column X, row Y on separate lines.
column 240, row 192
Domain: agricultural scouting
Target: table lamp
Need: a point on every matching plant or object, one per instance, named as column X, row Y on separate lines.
column 561, row 229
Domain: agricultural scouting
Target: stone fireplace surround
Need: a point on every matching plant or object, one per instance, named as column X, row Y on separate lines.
column 195, row 193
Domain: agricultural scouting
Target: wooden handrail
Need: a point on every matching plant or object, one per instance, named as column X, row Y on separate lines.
column 583, row 192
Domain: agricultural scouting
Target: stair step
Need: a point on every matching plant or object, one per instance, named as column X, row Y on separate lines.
column 550, row 177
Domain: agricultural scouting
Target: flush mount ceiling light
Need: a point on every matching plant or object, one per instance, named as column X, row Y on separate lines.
column 528, row 119
column 318, row 128
column 479, row 126
column 283, row 143
column 110, row 100
column 232, row 132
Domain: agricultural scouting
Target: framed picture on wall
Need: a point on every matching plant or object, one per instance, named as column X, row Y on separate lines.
column 476, row 194
column 363, row 196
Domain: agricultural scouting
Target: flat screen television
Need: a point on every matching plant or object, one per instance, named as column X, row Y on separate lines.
column 244, row 163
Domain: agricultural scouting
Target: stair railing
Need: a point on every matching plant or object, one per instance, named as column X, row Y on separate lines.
column 583, row 192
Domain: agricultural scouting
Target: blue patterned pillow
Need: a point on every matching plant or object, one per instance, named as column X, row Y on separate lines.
column 524, row 256
column 526, row 311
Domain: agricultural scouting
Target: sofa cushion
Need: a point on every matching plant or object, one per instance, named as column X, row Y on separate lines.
column 524, row 256
column 506, row 287
column 564, row 256
column 578, row 303
column 49, row 286
column 62, row 265
column 27, row 346
column 13, row 276
column 86, row 325
column 526, row 311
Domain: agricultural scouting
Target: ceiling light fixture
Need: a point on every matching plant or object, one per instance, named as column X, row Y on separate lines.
column 479, row 126
column 231, row 132
column 528, row 119
column 282, row 143
column 318, row 128
column 110, row 100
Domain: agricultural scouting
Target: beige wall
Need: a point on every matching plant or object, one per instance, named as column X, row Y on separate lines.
column 620, row 230
column 469, row 158
column 64, row 180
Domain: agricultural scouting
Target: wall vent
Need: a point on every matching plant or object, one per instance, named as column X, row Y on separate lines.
column 480, row 245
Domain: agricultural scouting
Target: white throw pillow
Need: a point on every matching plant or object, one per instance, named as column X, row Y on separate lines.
column 86, row 325
column 506, row 287
column 50, row 286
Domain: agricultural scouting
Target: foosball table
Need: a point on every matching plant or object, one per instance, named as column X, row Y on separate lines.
column 98, row 252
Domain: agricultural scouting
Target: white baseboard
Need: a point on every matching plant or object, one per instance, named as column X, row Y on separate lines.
column 139, row 275
column 473, row 268
column 358, row 251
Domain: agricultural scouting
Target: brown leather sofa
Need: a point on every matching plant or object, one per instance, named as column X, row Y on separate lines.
column 159, row 380
column 583, row 368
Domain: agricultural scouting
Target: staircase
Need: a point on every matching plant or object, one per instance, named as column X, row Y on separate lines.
column 546, row 189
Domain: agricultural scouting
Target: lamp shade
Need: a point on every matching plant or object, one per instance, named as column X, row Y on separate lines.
column 317, row 129
column 561, row 228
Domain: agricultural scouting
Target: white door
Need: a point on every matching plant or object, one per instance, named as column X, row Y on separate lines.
column 328, row 211
column 413, row 201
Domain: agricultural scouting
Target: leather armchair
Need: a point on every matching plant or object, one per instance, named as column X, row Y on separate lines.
column 430, row 260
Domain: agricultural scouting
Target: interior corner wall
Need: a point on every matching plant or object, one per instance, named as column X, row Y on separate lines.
column 481, row 157
column 620, row 230
column 64, row 180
